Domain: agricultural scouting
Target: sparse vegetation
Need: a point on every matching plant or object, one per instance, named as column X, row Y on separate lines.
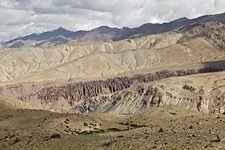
column 133, row 125
column 129, row 127
column 137, row 126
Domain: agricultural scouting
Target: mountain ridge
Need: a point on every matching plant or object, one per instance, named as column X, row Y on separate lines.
column 103, row 33
column 93, row 60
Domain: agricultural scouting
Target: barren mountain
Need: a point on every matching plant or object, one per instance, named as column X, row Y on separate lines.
column 179, row 49
column 103, row 33
column 61, row 78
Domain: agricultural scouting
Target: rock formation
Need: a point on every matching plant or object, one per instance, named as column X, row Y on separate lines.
column 69, row 95
column 168, row 92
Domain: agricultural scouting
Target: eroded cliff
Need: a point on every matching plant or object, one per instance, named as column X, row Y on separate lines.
column 65, row 96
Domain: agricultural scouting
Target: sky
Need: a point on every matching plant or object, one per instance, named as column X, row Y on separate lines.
column 22, row 17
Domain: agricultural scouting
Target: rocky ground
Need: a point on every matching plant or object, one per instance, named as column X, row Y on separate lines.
column 167, row 128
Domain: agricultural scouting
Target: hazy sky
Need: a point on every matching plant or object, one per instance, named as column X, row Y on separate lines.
column 20, row 17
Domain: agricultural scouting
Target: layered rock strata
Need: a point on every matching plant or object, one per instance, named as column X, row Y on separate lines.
column 66, row 96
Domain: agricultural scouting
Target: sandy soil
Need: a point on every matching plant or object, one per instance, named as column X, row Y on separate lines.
column 162, row 128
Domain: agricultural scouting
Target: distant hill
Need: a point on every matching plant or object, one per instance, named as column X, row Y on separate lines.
column 194, row 43
column 103, row 33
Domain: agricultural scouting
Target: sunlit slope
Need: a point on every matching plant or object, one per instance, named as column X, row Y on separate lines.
column 96, row 60
column 12, row 103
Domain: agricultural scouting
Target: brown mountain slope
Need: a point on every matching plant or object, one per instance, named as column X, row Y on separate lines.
column 59, row 69
column 88, row 61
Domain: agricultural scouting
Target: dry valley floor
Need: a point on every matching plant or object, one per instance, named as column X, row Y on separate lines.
column 167, row 128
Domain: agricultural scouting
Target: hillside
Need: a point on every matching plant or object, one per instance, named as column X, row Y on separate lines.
column 62, row 78
column 204, row 93
column 12, row 103
column 96, row 60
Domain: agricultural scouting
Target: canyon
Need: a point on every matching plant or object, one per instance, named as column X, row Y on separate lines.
column 68, row 78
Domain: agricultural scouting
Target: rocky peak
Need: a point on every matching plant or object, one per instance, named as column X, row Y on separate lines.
column 105, row 29
column 118, row 34
column 211, row 30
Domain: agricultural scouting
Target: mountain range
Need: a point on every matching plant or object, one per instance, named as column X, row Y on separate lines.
column 65, row 76
column 103, row 33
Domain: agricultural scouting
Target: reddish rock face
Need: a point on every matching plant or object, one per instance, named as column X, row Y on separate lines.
column 47, row 95
column 72, row 93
